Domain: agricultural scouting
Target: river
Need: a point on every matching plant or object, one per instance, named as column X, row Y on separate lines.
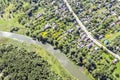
column 74, row 70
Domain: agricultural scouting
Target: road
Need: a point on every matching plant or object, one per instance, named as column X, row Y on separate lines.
column 88, row 33
column 74, row 70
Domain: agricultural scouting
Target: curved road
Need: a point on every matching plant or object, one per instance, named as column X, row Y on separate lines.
column 88, row 33
column 64, row 61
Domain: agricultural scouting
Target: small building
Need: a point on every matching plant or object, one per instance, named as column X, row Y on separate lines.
column 47, row 26
column 78, row 27
column 96, row 48
column 54, row 26
column 112, row 25
column 83, row 37
column 90, row 45
column 38, row 15
column 115, row 61
column 101, row 36
column 70, row 30
column 106, row 42
column 118, row 22
column 87, row 39
column 53, row 2
column 118, row 17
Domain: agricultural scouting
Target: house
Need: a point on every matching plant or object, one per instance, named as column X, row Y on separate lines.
column 78, row 27
column 113, row 13
column 85, row 22
column 118, row 22
column 118, row 48
column 115, row 61
column 90, row 45
column 86, row 39
column 106, row 42
column 83, row 37
column 82, row 46
column 118, row 17
column 96, row 48
column 112, row 25
column 70, row 30
column 79, row 40
column 101, row 36
column 53, row 2
column 38, row 15
column 47, row 26
column 82, row 33
column 110, row 5
column 54, row 26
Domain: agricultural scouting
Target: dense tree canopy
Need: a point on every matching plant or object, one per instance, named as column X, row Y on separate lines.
column 20, row 64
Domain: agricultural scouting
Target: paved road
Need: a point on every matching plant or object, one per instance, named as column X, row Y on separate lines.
column 64, row 61
column 88, row 33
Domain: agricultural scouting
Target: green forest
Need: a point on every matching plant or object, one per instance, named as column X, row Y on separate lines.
column 21, row 62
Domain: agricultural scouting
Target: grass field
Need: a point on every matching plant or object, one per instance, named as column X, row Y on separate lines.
column 111, row 37
column 7, row 25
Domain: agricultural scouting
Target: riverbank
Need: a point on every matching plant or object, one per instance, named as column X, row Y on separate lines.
column 55, row 66
column 64, row 61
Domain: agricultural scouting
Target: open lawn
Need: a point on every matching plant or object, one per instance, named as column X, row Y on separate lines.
column 7, row 25
column 117, row 71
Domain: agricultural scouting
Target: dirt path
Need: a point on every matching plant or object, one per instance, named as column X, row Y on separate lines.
column 88, row 33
